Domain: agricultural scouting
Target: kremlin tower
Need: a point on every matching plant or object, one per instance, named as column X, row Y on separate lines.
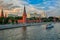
column 2, row 14
column 24, row 15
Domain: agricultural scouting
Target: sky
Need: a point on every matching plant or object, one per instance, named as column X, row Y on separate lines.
column 42, row 4
column 50, row 7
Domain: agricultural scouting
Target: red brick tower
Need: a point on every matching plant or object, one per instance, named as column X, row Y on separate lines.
column 24, row 15
column 2, row 14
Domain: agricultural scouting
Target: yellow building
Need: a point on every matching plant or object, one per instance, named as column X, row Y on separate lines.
column 28, row 15
column 43, row 14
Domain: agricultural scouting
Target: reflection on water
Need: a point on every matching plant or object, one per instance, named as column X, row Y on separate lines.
column 32, row 33
column 24, row 35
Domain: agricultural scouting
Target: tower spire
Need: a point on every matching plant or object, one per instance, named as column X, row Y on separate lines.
column 24, row 12
column 2, row 14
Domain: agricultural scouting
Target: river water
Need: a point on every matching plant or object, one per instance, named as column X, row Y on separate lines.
column 38, row 32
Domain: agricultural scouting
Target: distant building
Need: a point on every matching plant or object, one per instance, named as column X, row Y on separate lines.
column 28, row 15
column 12, row 15
column 43, row 14
column 35, row 15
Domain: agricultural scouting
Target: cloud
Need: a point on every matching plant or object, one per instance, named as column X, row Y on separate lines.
column 54, row 11
column 50, row 6
column 19, row 4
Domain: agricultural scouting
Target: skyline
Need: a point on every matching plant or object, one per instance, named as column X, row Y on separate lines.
column 51, row 7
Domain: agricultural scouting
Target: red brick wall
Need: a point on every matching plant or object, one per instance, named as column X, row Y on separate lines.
column 28, row 21
column 20, row 21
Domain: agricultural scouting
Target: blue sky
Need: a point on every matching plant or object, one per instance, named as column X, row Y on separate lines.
column 42, row 4
column 51, row 7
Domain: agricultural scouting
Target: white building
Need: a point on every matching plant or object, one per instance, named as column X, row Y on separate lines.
column 33, row 15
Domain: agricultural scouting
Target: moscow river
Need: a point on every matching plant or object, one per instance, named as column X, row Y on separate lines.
column 38, row 32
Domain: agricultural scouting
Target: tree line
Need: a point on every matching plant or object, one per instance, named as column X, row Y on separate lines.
column 14, row 19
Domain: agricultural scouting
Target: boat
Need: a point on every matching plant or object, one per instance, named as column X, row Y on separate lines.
column 49, row 26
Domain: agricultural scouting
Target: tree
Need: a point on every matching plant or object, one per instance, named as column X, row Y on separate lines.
column 50, row 19
column 44, row 19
